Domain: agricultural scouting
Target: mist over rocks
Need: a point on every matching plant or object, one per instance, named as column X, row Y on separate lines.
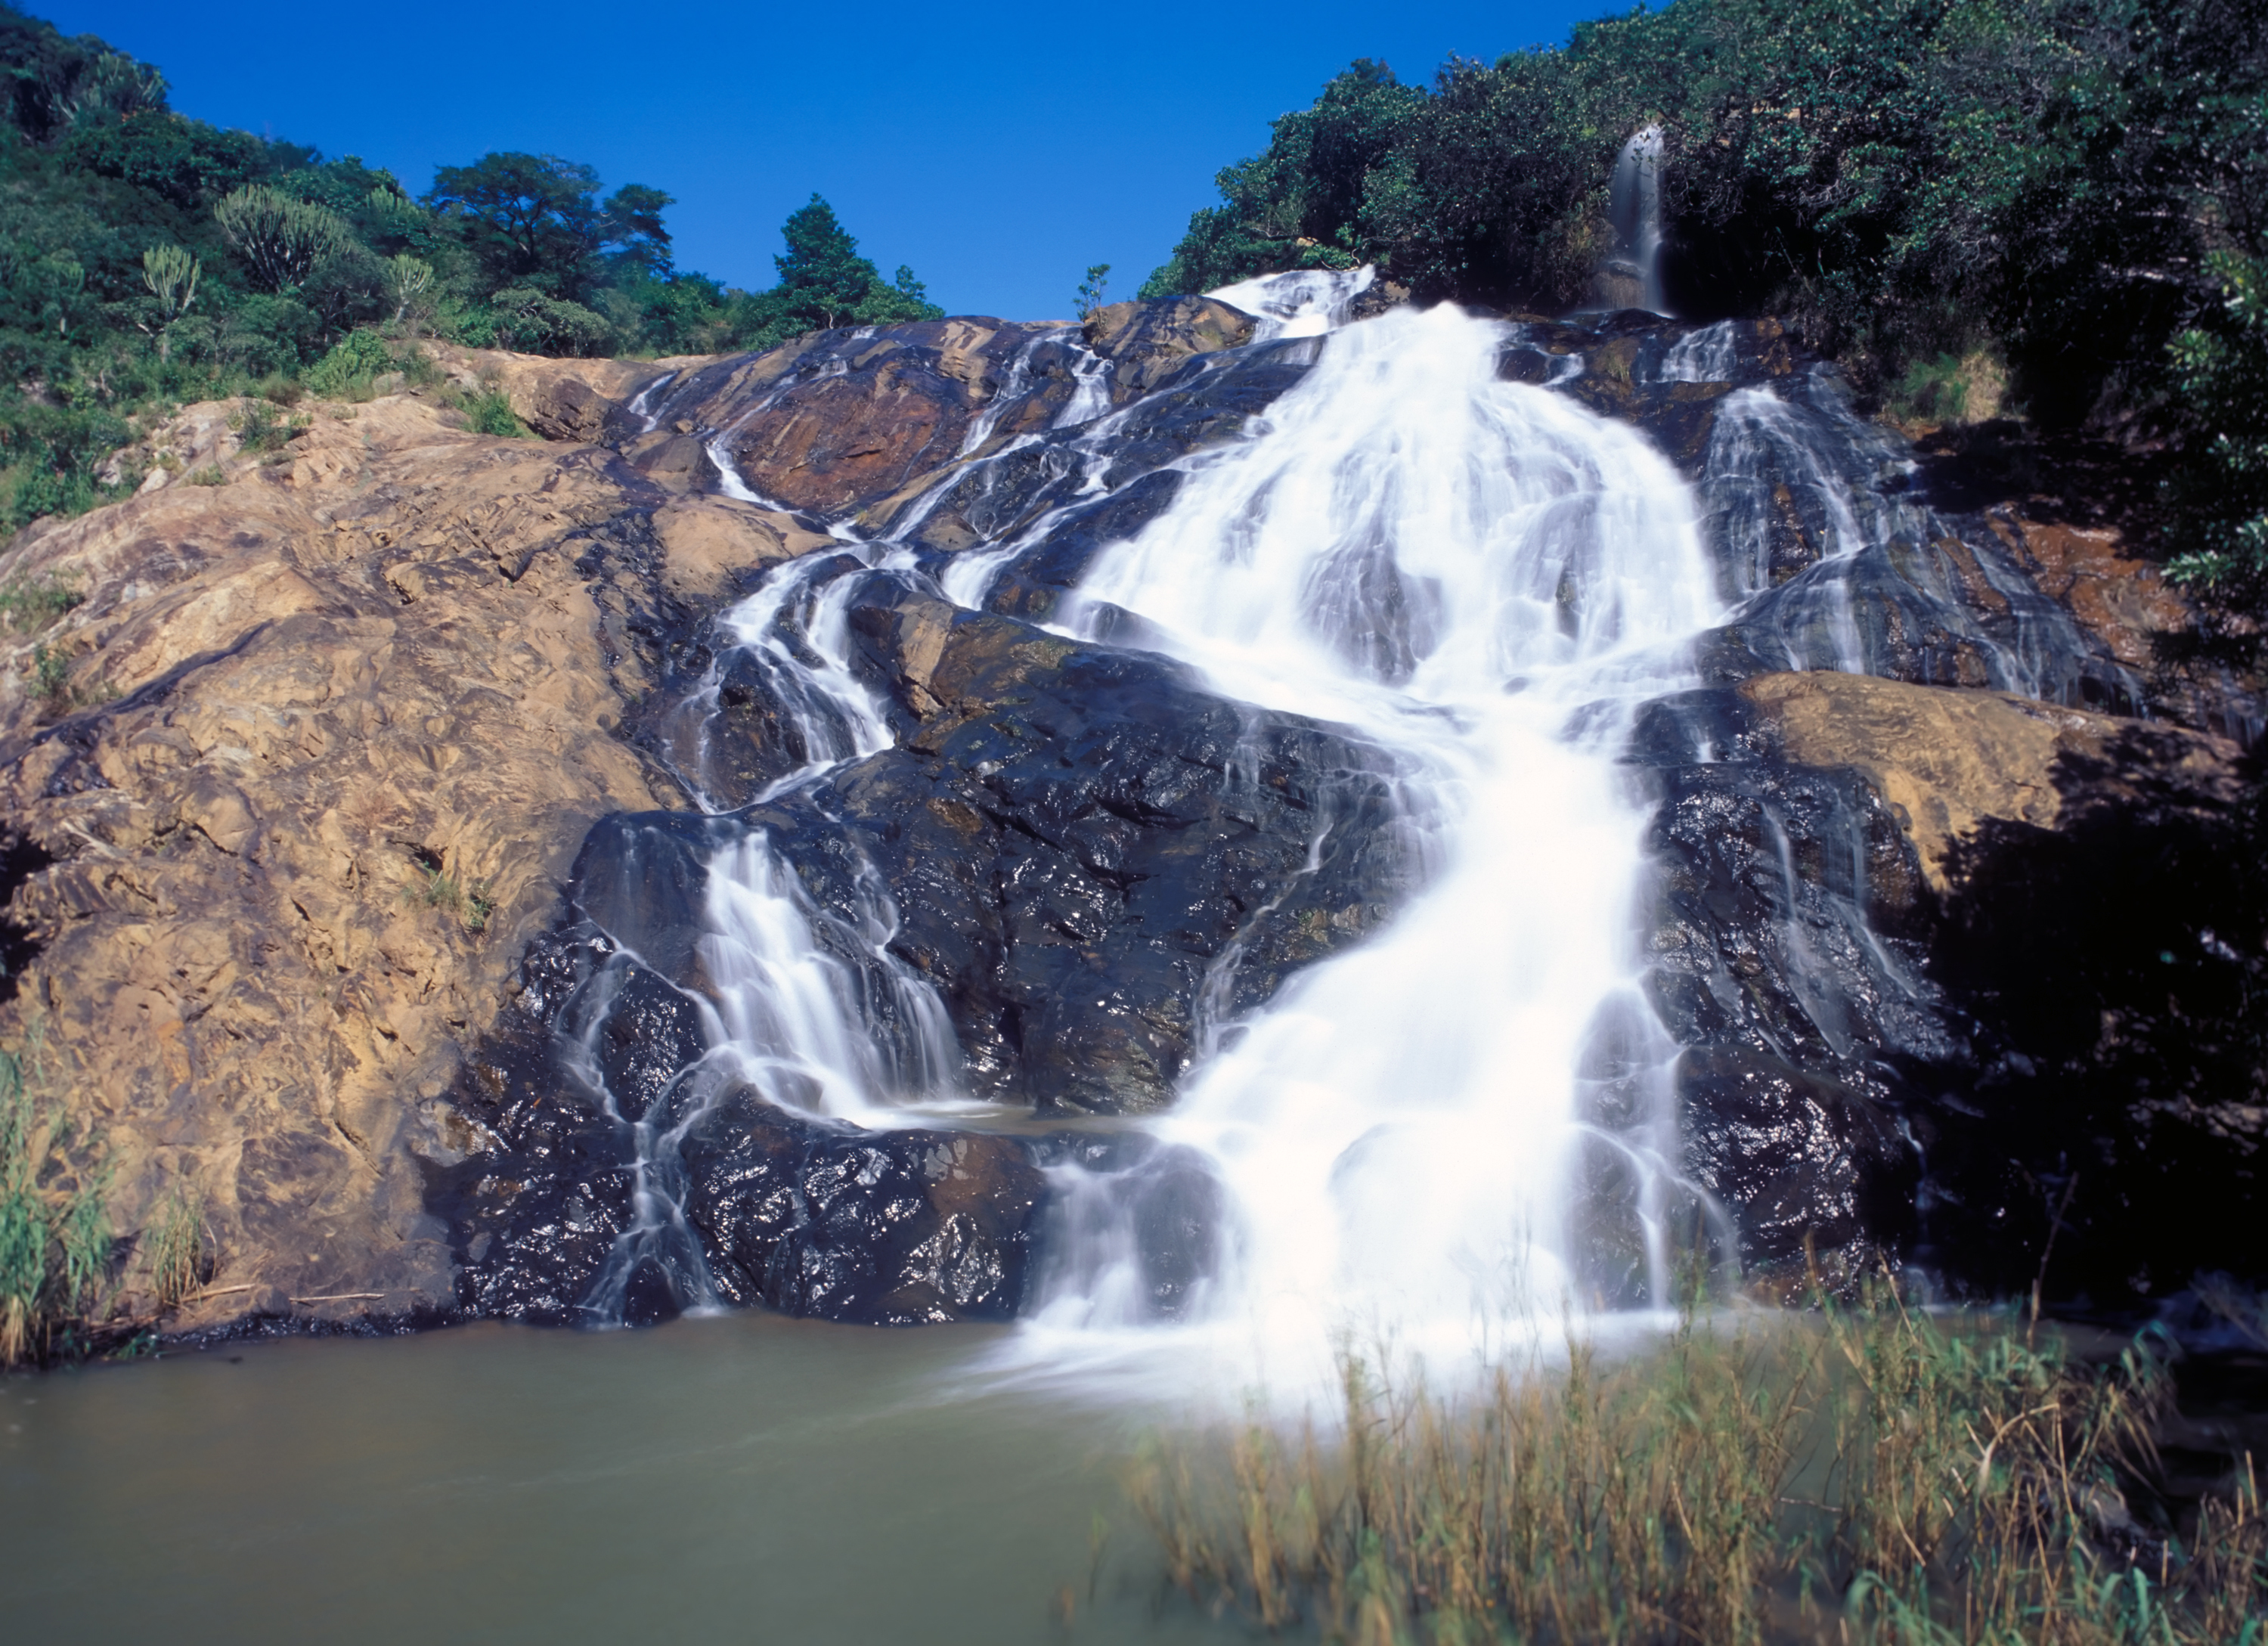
column 451, row 666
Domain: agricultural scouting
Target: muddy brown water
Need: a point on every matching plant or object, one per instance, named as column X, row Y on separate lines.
column 738, row 1478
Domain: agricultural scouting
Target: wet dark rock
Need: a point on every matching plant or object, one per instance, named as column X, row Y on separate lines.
column 840, row 418
column 1376, row 299
column 1208, row 401
column 650, row 1033
column 537, row 1207
column 902, row 1228
column 1914, row 1027
column 1034, row 585
column 1086, row 847
column 1786, row 962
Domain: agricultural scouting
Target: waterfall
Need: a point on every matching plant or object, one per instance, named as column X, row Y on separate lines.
column 1306, row 302
column 1468, row 1115
column 1632, row 275
column 1487, row 579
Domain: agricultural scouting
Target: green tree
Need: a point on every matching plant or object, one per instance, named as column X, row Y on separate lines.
column 536, row 221
column 171, row 274
column 824, row 282
column 2221, row 370
column 1090, row 290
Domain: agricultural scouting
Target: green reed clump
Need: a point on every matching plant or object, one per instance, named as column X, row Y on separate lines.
column 176, row 1247
column 54, row 1226
column 1864, row 1476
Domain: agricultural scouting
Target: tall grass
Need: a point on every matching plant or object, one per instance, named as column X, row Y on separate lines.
column 1864, row 1475
column 54, row 1226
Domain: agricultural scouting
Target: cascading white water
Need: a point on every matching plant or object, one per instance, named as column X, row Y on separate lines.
column 1484, row 579
column 1306, row 302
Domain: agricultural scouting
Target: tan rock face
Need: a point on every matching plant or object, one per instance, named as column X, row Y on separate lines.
column 331, row 734
column 1948, row 760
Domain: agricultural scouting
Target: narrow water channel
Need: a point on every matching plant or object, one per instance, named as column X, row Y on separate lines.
column 747, row 1478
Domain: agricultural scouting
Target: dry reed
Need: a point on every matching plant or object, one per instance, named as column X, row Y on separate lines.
column 1856, row 1475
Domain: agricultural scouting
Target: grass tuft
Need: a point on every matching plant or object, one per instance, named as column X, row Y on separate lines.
column 469, row 905
column 175, row 1241
column 36, row 603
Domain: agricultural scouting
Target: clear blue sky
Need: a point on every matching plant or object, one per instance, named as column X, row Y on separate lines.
column 998, row 148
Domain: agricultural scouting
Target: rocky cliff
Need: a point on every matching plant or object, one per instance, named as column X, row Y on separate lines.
column 323, row 800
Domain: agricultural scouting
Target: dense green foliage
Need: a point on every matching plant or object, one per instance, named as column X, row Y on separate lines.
column 148, row 258
column 2044, row 178
column 2221, row 369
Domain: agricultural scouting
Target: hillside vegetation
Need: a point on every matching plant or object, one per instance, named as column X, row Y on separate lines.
column 149, row 258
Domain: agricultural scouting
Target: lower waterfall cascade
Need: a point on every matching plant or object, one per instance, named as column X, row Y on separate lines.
column 1413, row 551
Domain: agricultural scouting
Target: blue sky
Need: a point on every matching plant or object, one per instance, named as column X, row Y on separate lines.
column 998, row 148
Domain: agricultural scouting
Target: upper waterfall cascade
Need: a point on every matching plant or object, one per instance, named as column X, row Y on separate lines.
column 1633, row 269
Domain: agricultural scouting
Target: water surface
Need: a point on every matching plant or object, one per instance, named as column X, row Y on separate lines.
column 745, row 1478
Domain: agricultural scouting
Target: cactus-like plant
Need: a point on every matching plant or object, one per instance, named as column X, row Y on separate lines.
column 408, row 281
column 281, row 237
column 171, row 274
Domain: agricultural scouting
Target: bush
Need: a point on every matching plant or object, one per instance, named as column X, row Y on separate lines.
column 526, row 320
column 260, row 429
column 348, row 369
column 490, row 412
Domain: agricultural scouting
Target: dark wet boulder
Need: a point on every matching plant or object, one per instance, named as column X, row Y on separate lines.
column 897, row 1228
column 1778, row 963
column 1958, row 973
column 545, row 1185
column 1089, row 853
column 1813, row 1173
column 1034, row 585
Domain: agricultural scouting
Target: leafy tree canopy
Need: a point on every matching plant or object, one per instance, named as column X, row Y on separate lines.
column 534, row 220
column 824, row 282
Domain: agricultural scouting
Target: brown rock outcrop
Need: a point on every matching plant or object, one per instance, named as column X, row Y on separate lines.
column 323, row 741
column 1948, row 760
column 833, row 420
